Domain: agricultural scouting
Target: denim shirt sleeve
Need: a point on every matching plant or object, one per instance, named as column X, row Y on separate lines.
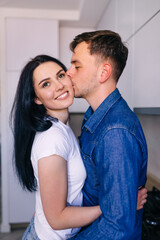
column 118, row 159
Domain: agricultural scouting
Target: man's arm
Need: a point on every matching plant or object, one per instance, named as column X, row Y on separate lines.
column 118, row 159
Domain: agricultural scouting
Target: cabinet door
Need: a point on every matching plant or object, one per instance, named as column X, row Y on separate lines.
column 147, row 65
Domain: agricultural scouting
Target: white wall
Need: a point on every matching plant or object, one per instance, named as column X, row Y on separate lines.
column 147, row 55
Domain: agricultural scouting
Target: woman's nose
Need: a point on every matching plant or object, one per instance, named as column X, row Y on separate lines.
column 59, row 85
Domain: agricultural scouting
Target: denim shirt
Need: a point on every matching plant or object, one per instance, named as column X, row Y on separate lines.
column 114, row 152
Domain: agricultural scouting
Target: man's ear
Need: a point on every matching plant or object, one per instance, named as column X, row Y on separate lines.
column 106, row 72
column 37, row 101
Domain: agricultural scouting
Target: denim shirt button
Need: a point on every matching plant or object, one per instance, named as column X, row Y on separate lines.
column 86, row 129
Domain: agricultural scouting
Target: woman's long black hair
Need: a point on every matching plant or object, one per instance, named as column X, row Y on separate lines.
column 27, row 118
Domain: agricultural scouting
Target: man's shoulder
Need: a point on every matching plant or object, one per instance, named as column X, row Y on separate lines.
column 120, row 116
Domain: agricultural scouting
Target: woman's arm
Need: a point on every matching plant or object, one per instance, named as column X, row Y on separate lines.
column 52, row 173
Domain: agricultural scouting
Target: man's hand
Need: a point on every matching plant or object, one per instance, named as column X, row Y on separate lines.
column 142, row 195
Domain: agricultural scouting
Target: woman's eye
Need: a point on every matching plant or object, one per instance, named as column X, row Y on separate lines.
column 46, row 84
column 61, row 75
column 76, row 67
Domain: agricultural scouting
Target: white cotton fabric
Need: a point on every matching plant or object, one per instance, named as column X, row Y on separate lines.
column 60, row 140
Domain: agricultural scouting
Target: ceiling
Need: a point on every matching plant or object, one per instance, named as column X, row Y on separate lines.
column 76, row 13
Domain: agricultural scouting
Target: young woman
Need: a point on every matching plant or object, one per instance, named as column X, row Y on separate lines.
column 47, row 156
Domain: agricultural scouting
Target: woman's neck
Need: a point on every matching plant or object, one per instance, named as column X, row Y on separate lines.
column 61, row 115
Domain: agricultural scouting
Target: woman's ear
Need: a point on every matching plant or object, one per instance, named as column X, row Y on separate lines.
column 106, row 72
column 37, row 101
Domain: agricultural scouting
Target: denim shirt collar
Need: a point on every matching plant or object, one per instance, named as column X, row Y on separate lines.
column 92, row 119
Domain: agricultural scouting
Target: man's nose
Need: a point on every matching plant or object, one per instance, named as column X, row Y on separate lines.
column 69, row 72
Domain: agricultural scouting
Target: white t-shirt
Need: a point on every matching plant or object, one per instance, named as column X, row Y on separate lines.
column 60, row 140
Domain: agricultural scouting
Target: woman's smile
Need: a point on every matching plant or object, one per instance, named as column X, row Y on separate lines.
column 63, row 96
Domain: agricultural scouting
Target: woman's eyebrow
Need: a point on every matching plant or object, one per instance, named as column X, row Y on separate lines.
column 61, row 70
column 43, row 80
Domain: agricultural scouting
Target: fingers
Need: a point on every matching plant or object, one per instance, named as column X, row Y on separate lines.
column 142, row 197
column 142, row 194
column 143, row 201
column 141, row 204
column 140, row 207
column 142, row 190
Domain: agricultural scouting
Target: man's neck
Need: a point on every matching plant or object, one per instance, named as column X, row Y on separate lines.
column 98, row 97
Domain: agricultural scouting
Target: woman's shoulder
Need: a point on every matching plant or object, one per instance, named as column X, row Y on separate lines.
column 52, row 141
column 56, row 134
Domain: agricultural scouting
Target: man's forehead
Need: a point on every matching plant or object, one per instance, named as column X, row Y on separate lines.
column 82, row 47
column 76, row 57
column 81, row 51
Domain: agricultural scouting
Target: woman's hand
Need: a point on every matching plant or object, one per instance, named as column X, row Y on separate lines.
column 142, row 195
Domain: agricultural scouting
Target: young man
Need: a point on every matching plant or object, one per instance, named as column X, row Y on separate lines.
column 112, row 142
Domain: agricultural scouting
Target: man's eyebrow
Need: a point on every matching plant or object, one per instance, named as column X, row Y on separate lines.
column 74, row 61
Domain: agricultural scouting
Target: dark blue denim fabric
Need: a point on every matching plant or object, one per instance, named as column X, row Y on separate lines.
column 114, row 152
